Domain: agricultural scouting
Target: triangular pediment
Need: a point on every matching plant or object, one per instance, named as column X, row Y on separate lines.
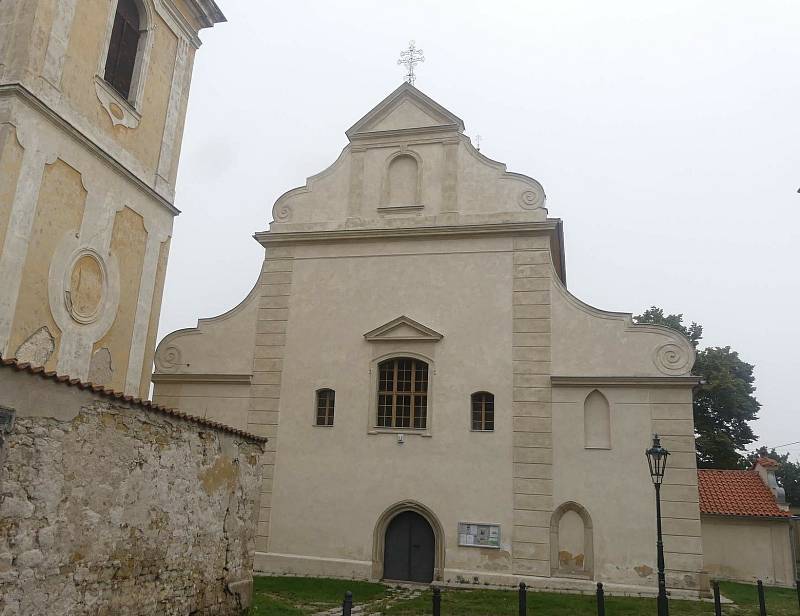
column 405, row 109
column 403, row 329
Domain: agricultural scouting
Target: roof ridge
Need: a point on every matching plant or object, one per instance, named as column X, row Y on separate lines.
column 107, row 392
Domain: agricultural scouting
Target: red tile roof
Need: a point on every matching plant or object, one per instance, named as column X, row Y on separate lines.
column 740, row 493
column 766, row 462
column 110, row 393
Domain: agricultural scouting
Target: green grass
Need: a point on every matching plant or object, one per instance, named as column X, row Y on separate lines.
column 289, row 596
column 298, row 596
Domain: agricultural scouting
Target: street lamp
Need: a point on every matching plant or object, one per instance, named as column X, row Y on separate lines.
column 657, row 460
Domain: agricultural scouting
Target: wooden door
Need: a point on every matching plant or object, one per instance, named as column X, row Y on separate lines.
column 409, row 549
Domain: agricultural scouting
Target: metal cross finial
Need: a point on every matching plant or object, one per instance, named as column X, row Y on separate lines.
column 410, row 58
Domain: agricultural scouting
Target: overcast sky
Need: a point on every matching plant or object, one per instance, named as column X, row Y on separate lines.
column 666, row 137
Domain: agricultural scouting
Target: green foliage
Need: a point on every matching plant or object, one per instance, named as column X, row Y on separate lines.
column 723, row 404
column 788, row 473
column 655, row 316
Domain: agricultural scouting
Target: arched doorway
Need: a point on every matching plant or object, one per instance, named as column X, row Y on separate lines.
column 409, row 548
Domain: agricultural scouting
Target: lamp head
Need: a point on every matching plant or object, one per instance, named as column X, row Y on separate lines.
column 657, row 460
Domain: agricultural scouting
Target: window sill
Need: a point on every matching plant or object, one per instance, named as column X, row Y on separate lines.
column 481, row 431
column 118, row 108
column 316, row 425
column 408, row 431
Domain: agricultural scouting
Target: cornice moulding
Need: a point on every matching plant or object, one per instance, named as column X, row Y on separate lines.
column 266, row 238
column 20, row 91
column 171, row 377
column 625, row 381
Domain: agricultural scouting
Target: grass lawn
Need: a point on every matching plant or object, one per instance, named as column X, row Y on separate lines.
column 289, row 596
column 298, row 596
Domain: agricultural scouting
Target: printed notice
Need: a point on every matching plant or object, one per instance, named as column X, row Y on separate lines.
column 479, row 535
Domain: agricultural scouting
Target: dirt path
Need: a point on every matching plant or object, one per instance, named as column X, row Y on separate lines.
column 374, row 608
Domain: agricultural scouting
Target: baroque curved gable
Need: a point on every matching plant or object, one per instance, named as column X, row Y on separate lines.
column 409, row 164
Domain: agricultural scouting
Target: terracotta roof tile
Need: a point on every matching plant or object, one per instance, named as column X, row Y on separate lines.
column 736, row 493
column 110, row 393
column 766, row 462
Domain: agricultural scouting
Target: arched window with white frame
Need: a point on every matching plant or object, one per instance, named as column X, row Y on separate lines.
column 125, row 47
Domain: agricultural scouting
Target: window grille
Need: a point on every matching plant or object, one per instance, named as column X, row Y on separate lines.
column 403, row 393
column 483, row 411
column 325, row 404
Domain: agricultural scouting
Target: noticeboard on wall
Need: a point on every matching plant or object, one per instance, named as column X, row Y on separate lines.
column 478, row 535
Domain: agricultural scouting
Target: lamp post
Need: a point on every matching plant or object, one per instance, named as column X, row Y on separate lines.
column 657, row 461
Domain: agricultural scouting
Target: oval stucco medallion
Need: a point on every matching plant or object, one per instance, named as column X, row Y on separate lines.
column 86, row 287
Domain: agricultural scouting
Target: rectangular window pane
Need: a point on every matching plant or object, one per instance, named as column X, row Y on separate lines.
column 403, row 412
column 421, row 377
column 403, row 375
column 385, row 411
column 420, row 411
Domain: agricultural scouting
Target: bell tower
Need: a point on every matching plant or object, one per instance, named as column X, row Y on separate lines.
column 93, row 98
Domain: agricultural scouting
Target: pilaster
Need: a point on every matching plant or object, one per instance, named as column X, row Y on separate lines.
column 532, row 407
column 672, row 417
column 273, row 315
column 20, row 226
column 178, row 91
column 356, row 182
column 144, row 305
column 58, row 43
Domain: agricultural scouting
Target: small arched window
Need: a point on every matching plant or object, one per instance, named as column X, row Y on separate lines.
column 123, row 47
column 483, row 411
column 403, row 393
column 325, row 403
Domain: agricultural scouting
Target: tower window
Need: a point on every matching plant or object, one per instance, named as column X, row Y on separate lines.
column 483, row 411
column 325, row 404
column 123, row 47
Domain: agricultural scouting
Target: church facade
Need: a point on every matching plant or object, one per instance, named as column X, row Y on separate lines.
column 439, row 406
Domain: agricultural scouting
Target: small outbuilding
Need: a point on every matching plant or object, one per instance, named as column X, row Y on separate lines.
column 746, row 525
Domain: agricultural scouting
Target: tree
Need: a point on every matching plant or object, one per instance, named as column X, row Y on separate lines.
column 723, row 404
column 655, row 316
column 788, row 473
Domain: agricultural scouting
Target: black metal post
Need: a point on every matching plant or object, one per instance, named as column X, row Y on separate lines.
column 762, row 604
column 797, row 586
column 437, row 601
column 717, row 603
column 601, row 600
column 523, row 599
column 347, row 604
column 663, row 603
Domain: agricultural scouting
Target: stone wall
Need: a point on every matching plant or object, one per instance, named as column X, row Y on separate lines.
column 112, row 506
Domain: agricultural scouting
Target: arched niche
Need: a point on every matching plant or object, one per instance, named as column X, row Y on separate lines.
column 596, row 421
column 571, row 542
column 382, row 524
column 402, row 180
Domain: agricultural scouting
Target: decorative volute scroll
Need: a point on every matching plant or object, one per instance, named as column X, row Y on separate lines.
column 403, row 329
column 410, row 164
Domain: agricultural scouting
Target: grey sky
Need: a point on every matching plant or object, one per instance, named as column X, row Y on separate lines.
column 666, row 137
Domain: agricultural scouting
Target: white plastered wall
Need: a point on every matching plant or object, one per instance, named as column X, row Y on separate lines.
column 748, row 549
